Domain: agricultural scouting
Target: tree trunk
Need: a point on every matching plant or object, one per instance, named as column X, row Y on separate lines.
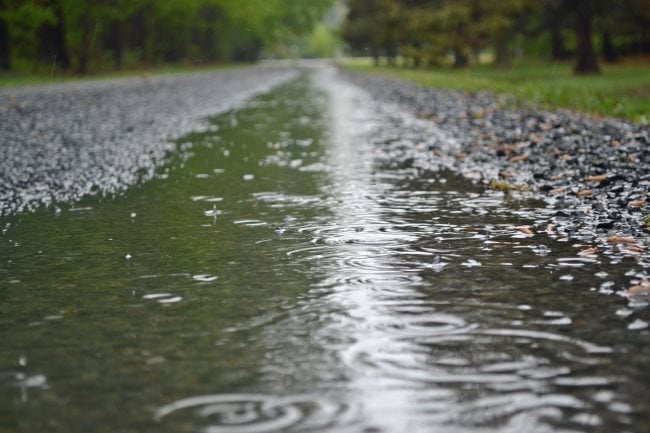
column 609, row 52
column 116, row 42
column 62, row 58
column 558, row 50
column 460, row 58
column 375, row 56
column 86, row 37
column 5, row 54
column 502, row 48
column 150, row 34
column 586, row 56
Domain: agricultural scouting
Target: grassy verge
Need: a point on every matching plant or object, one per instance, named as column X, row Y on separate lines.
column 14, row 79
column 622, row 90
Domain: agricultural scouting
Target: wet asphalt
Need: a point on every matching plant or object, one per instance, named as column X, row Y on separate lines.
column 61, row 142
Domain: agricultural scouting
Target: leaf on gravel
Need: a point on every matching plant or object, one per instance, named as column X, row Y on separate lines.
column 641, row 290
column 519, row 158
column 620, row 240
column 596, row 178
column 526, row 230
column 638, row 203
column 589, row 252
column 557, row 190
column 585, row 193
column 551, row 228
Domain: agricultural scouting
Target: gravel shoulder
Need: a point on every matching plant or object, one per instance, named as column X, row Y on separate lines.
column 61, row 142
column 592, row 174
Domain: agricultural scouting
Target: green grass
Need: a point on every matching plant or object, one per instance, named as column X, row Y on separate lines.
column 16, row 79
column 622, row 90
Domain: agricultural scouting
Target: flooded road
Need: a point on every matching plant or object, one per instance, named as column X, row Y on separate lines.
column 309, row 265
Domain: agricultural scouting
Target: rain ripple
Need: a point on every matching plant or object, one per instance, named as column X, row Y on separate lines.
column 257, row 413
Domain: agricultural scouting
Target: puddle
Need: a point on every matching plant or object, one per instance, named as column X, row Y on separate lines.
column 331, row 275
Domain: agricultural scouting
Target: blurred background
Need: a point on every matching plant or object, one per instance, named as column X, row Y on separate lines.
column 82, row 36
column 535, row 50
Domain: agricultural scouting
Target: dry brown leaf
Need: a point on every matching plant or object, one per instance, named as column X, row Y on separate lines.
column 461, row 155
column 638, row 203
column 635, row 249
column 620, row 240
column 585, row 193
column 596, row 178
column 588, row 252
column 557, row 190
column 551, row 228
column 643, row 288
column 526, row 230
column 616, row 143
column 519, row 158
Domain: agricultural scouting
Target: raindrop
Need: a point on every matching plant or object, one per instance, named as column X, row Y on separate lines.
column 204, row 277
column 541, row 250
column 637, row 324
column 438, row 264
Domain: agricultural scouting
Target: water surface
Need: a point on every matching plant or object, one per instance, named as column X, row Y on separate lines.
column 308, row 266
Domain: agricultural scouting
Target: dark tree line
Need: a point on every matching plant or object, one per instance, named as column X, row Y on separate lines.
column 84, row 35
column 427, row 32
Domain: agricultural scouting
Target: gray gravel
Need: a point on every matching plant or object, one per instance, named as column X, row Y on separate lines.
column 555, row 155
column 61, row 142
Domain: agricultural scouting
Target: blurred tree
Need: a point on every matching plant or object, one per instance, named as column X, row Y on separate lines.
column 52, row 37
column 586, row 60
column 361, row 28
column 91, row 34
column 24, row 21
column 500, row 22
column 5, row 54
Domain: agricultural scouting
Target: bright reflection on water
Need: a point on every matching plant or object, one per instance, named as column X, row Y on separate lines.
column 307, row 266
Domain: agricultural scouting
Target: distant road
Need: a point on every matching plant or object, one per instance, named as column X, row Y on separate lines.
column 61, row 142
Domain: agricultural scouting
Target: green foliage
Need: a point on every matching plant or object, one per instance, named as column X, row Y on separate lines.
column 25, row 19
column 428, row 32
column 323, row 42
column 622, row 91
column 105, row 34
